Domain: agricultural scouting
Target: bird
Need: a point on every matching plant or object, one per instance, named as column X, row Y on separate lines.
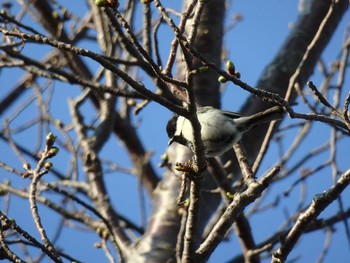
column 220, row 130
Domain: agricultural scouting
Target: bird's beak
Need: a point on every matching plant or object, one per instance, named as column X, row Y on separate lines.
column 172, row 139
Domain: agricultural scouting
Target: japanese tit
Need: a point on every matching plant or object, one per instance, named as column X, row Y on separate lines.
column 220, row 129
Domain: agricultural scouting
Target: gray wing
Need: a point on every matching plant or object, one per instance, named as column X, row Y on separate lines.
column 205, row 109
column 231, row 114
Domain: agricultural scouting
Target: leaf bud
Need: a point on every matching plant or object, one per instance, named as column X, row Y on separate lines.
column 222, row 79
column 52, row 152
column 230, row 67
column 50, row 139
column 48, row 165
column 26, row 166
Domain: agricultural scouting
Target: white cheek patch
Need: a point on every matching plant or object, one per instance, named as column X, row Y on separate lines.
column 179, row 125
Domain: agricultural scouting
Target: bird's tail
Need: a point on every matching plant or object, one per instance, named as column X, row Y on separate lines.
column 248, row 122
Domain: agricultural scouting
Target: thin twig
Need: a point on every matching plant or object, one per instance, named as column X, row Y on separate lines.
column 25, row 234
column 239, row 202
column 320, row 202
column 6, row 250
column 37, row 173
column 107, row 64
